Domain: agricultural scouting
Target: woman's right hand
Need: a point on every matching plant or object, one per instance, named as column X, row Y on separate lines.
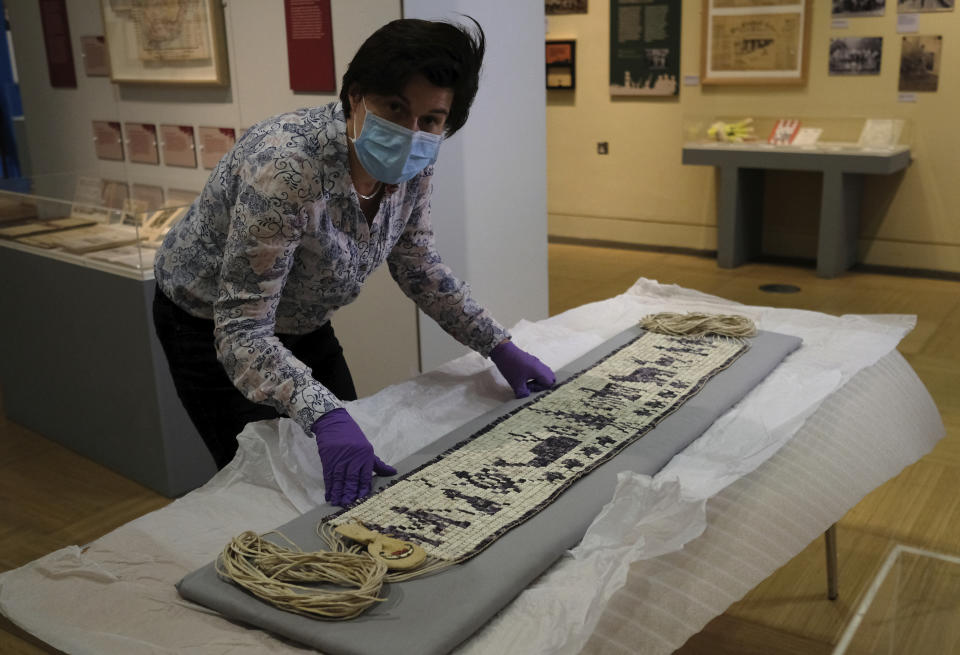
column 348, row 460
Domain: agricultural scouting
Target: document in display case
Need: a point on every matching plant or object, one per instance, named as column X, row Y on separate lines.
column 90, row 220
column 166, row 42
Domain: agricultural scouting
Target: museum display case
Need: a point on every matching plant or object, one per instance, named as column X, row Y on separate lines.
column 804, row 133
column 80, row 250
column 111, row 224
column 842, row 150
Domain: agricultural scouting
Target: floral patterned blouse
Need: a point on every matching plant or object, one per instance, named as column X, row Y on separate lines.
column 276, row 242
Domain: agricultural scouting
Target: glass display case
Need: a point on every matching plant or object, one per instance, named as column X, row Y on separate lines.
column 799, row 133
column 103, row 223
column 842, row 150
column 81, row 249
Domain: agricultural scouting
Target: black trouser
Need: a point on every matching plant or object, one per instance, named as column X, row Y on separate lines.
column 217, row 408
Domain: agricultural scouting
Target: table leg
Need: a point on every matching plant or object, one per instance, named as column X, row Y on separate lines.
column 839, row 222
column 739, row 216
column 830, row 537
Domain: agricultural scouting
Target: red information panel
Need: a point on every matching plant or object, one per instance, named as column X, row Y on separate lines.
column 310, row 45
column 56, row 40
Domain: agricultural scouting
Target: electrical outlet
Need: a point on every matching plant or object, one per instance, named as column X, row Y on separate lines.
column 603, row 148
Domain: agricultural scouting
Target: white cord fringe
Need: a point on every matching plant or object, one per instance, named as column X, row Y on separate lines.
column 699, row 325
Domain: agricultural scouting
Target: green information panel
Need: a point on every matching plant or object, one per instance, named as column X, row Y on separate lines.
column 644, row 47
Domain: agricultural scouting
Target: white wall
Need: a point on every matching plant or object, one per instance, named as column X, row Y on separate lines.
column 489, row 207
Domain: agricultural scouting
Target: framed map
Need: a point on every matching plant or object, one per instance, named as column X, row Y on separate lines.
column 166, row 41
column 755, row 41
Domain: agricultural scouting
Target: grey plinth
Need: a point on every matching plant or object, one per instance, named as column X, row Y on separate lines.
column 740, row 208
column 82, row 366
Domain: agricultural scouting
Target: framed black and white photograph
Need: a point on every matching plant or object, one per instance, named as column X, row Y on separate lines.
column 565, row 6
column 920, row 63
column 657, row 58
column 857, row 8
column 856, row 55
column 924, row 6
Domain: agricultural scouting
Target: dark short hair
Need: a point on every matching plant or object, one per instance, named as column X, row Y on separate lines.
column 448, row 55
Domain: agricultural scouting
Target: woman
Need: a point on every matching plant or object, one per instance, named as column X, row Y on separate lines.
column 289, row 226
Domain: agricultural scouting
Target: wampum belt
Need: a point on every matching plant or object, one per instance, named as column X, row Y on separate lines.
column 546, row 465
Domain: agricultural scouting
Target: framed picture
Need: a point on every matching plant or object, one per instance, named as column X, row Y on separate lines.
column 142, row 146
column 179, row 148
column 856, row 55
column 215, row 142
column 645, row 47
column 561, row 64
column 166, row 41
column 108, row 140
column 755, row 41
column 858, row 8
column 920, row 58
column 565, row 7
column 923, row 6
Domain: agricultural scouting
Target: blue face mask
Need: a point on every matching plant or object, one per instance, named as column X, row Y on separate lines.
column 392, row 153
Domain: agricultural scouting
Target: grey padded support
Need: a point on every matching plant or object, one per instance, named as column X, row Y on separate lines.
column 433, row 614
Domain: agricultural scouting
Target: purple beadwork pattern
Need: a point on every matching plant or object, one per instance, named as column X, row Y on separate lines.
column 463, row 500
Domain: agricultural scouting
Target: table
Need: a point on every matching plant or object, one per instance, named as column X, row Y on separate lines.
column 740, row 206
column 868, row 416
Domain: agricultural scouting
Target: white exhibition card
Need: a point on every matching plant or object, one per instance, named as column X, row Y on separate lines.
column 93, row 49
column 142, row 143
column 215, row 142
column 908, row 24
column 178, row 145
column 108, row 140
column 924, row 6
column 920, row 58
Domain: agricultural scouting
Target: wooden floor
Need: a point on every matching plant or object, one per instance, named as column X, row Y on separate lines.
column 51, row 497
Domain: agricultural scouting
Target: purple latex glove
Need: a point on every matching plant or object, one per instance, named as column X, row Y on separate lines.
column 347, row 458
column 523, row 371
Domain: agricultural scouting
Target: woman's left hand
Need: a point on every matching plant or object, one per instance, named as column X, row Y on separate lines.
column 523, row 372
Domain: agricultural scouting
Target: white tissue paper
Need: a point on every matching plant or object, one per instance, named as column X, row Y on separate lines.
column 118, row 595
